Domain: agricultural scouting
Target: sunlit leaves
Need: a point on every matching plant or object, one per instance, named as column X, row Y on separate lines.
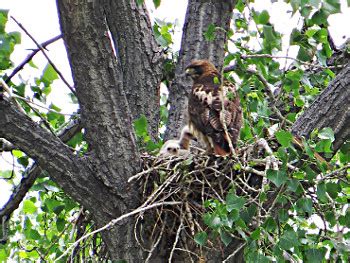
column 29, row 207
column 209, row 34
column 7, row 41
column 49, row 75
column 162, row 32
column 141, row 131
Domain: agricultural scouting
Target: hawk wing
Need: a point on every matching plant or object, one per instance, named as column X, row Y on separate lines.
column 206, row 106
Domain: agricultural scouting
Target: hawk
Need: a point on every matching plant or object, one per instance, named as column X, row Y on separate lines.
column 180, row 147
column 208, row 108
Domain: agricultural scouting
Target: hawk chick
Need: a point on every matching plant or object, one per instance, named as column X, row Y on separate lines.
column 179, row 147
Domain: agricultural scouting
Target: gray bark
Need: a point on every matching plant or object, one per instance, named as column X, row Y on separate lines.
column 330, row 109
column 106, row 117
column 140, row 58
column 199, row 16
column 76, row 176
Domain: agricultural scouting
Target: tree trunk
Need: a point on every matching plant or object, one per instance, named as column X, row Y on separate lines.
column 330, row 109
column 139, row 56
column 106, row 118
column 199, row 16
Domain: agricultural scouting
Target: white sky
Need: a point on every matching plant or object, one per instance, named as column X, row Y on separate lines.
column 40, row 18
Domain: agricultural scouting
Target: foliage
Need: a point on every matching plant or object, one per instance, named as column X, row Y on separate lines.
column 311, row 219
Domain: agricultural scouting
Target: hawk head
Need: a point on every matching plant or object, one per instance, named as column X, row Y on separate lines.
column 200, row 69
column 170, row 148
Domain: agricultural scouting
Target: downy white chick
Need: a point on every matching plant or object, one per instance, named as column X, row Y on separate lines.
column 179, row 147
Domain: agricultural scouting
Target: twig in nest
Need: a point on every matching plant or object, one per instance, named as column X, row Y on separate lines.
column 234, row 253
column 154, row 246
column 113, row 222
column 178, row 232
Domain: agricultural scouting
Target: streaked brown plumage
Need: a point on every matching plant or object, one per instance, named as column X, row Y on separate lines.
column 205, row 107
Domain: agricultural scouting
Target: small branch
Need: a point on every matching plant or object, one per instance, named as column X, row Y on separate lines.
column 113, row 222
column 291, row 58
column 270, row 94
column 234, row 253
column 10, row 95
column 45, row 54
column 6, row 146
column 176, row 239
column 30, row 56
column 38, row 105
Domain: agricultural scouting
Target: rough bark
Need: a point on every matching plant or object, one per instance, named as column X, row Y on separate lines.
column 139, row 56
column 199, row 16
column 99, row 85
column 105, row 116
column 330, row 109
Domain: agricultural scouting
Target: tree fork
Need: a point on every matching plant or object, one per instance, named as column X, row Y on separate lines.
column 199, row 16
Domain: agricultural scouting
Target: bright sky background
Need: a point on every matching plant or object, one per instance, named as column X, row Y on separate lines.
column 40, row 18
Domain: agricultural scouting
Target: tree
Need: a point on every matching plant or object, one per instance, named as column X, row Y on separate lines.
column 117, row 66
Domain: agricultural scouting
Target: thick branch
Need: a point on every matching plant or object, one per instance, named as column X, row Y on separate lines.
column 330, row 109
column 106, row 118
column 70, row 172
column 99, row 84
column 33, row 173
column 140, row 58
column 200, row 15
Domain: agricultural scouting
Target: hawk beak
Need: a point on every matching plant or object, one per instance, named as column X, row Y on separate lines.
column 190, row 71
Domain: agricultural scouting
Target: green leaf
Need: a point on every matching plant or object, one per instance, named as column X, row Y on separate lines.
column 331, row 6
column 264, row 17
column 34, row 234
column 29, row 207
column 225, row 237
column 140, row 126
column 49, row 75
column 270, row 224
column 139, row 2
column 201, row 238
column 284, row 138
column 314, row 255
column 326, row 133
column 255, row 235
column 209, row 34
column 288, row 240
column 60, row 224
column 321, row 192
column 320, row 17
column 3, row 255
column 277, row 177
column 333, row 189
column 305, row 204
column 5, row 174
column 234, row 202
column 156, row 3
column 3, row 19
column 305, row 54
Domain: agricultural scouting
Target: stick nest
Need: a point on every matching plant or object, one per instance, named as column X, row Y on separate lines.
column 190, row 183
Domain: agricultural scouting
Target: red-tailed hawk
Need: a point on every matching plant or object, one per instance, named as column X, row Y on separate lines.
column 205, row 106
column 179, row 147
